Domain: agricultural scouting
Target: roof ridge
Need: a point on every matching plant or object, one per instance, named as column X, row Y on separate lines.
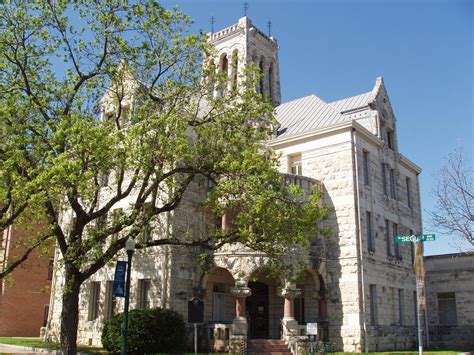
column 345, row 98
column 301, row 98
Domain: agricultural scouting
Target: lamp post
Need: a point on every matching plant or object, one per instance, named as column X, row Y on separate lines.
column 130, row 247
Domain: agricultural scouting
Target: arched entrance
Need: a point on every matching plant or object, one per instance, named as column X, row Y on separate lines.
column 257, row 306
column 264, row 307
column 219, row 304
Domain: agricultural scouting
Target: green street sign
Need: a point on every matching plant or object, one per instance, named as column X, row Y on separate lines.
column 429, row 237
column 415, row 238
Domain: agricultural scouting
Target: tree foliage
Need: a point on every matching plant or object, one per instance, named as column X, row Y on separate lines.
column 454, row 195
column 108, row 104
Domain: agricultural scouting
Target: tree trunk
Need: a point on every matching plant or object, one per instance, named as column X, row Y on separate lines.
column 70, row 311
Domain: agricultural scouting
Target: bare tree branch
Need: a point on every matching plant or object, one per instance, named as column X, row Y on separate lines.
column 454, row 213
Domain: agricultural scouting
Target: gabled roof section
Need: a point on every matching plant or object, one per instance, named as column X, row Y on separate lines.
column 353, row 103
column 310, row 112
column 306, row 114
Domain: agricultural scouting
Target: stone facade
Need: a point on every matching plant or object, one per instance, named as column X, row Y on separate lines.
column 358, row 285
column 450, row 301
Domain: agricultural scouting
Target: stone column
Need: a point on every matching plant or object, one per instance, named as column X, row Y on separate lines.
column 290, row 325
column 240, row 291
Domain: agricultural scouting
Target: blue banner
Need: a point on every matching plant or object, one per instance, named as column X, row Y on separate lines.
column 119, row 279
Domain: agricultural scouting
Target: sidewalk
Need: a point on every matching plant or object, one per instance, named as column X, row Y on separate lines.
column 16, row 349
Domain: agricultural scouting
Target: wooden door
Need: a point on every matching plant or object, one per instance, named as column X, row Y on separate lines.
column 257, row 311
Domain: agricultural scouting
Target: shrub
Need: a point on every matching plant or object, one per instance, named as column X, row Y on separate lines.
column 149, row 331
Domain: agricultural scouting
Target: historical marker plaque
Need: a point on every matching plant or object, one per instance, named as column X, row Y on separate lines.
column 195, row 311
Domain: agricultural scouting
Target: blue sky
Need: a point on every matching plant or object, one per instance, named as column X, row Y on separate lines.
column 336, row 49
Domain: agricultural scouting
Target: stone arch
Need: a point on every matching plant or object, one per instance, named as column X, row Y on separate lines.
column 211, row 271
column 317, row 278
column 219, row 303
column 224, row 69
column 234, row 71
column 261, row 65
column 307, row 305
column 271, row 80
column 265, row 271
column 211, row 80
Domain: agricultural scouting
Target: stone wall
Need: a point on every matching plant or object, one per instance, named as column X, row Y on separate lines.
column 329, row 160
column 390, row 274
column 337, row 160
column 452, row 273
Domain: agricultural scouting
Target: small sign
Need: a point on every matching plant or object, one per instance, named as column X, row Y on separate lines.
column 419, row 263
column 415, row 238
column 311, row 328
column 119, row 278
column 422, row 301
column 429, row 237
column 195, row 311
column 421, row 281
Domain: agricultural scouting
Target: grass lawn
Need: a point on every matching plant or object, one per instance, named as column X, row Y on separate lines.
column 38, row 343
column 413, row 352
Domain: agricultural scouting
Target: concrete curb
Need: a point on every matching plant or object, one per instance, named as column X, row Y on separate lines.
column 28, row 348
column 32, row 350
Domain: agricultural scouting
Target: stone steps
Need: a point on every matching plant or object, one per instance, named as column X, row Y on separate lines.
column 267, row 346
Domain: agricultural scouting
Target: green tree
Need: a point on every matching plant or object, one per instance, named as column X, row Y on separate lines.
column 104, row 102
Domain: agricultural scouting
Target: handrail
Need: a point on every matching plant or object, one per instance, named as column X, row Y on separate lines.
column 293, row 346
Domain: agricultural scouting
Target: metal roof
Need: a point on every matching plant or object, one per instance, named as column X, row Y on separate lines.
column 352, row 103
column 305, row 114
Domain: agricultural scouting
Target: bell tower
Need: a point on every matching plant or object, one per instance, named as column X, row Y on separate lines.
column 242, row 44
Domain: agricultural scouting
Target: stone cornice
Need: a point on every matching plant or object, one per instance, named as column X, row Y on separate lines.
column 310, row 134
column 409, row 164
column 346, row 126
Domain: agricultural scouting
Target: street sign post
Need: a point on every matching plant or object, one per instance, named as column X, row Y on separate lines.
column 415, row 238
column 312, row 332
column 195, row 315
column 419, row 267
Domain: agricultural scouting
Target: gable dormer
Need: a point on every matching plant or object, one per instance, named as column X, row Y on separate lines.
column 386, row 120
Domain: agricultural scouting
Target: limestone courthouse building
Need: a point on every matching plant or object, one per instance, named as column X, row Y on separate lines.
column 359, row 286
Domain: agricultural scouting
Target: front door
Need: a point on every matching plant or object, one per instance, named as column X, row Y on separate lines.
column 257, row 311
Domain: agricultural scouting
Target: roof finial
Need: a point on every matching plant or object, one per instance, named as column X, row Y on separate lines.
column 212, row 20
column 269, row 23
column 246, row 7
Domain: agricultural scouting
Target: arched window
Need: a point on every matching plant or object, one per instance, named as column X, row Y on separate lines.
column 211, row 80
column 235, row 70
column 225, row 71
column 270, row 81
column 262, row 77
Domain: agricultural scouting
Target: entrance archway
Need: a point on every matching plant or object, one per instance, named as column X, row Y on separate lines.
column 219, row 304
column 264, row 308
column 257, row 306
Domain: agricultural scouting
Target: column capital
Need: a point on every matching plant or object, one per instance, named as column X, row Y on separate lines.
column 241, row 291
column 290, row 293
